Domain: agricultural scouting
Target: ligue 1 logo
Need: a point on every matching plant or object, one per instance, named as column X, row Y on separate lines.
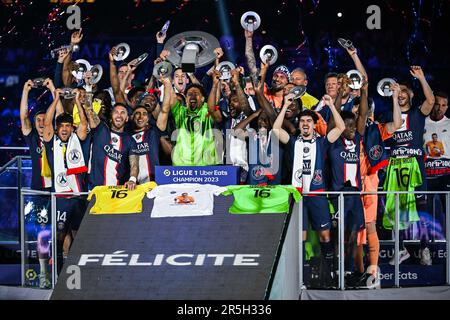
column 166, row 172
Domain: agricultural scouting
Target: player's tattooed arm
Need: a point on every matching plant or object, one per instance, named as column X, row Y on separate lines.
column 92, row 117
column 250, row 55
column 243, row 102
column 134, row 172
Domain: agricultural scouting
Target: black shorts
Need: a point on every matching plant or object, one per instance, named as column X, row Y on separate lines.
column 70, row 213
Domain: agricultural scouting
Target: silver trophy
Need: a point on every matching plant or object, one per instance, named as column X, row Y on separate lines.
column 122, row 51
column 38, row 82
column 250, row 21
column 384, row 87
column 191, row 49
column 346, row 44
column 163, row 69
column 225, row 68
column 96, row 73
column 356, row 79
column 139, row 59
column 83, row 67
column 68, row 93
column 298, row 91
column 72, row 48
column 268, row 54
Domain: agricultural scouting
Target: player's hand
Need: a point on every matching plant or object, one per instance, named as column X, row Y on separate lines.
column 28, row 86
column 352, row 52
column 166, row 81
column 49, row 84
column 219, row 53
column 395, row 87
column 164, row 54
column 235, row 76
column 417, row 72
column 327, row 100
column 76, row 37
column 112, row 53
column 288, row 99
column 264, row 66
column 62, row 55
column 160, row 37
column 216, row 77
column 130, row 185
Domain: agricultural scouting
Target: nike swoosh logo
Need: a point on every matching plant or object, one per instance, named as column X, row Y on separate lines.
column 323, row 225
column 419, row 196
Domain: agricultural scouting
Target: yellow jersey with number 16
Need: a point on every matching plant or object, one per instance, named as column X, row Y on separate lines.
column 118, row 199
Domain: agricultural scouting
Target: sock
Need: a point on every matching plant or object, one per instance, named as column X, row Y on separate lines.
column 327, row 253
column 359, row 262
column 374, row 252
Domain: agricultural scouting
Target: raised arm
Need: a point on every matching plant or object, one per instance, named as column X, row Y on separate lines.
column 358, row 64
column 243, row 101
column 428, row 104
column 363, row 110
column 278, row 130
column 92, row 118
column 24, row 118
column 134, row 172
column 214, row 96
column 250, row 55
column 397, row 113
column 163, row 116
column 67, row 76
column 83, row 126
column 49, row 130
column 336, row 132
column 114, row 78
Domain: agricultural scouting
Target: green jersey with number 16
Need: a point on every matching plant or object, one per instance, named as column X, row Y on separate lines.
column 403, row 174
column 261, row 199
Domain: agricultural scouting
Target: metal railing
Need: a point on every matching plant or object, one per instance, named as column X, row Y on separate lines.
column 340, row 253
column 52, row 195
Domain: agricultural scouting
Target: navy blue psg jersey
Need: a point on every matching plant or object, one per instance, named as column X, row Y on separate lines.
column 36, row 146
column 147, row 147
column 345, row 165
column 110, row 156
column 408, row 140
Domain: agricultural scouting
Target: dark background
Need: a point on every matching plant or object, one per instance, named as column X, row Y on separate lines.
column 304, row 32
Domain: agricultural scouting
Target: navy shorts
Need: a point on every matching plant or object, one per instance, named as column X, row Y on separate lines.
column 317, row 212
column 353, row 211
column 70, row 213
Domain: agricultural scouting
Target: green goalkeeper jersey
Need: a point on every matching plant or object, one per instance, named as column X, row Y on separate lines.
column 261, row 199
column 403, row 174
column 195, row 145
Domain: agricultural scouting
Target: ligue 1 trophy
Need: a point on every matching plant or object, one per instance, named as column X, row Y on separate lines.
column 269, row 54
column 346, row 44
column 82, row 66
column 356, row 79
column 122, row 51
column 162, row 69
column 250, row 21
column 191, row 49
column 384, row 87
column 225, row 68
column 298, row 91
column 139, row 60
column 70, row 47
column 38, row 82
column 67, row 93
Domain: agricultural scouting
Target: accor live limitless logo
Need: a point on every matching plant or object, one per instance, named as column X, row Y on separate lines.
column 120, row 258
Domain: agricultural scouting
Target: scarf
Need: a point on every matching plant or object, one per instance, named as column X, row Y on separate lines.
column 297, row 173
column 68, row 162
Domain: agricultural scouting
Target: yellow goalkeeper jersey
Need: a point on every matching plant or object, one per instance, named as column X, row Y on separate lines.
column 118, row 199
